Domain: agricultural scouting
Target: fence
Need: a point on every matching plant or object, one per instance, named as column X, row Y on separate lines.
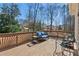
column 13, row 39
column 60, row 34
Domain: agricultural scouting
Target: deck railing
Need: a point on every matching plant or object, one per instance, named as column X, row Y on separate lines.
column 13, row 39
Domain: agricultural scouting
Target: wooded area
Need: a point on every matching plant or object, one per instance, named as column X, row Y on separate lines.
column 38, row 17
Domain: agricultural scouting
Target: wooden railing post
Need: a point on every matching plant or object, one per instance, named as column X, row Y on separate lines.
column 16, row 40
column 2, row 41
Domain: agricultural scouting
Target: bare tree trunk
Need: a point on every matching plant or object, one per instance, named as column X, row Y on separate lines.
column 35, row 15
column 51, row 22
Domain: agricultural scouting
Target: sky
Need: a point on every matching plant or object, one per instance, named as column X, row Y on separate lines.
column 23, row 10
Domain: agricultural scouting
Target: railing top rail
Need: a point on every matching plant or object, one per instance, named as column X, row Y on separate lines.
column 18, row 33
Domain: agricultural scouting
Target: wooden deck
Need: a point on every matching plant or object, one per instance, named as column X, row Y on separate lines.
column 45, row 48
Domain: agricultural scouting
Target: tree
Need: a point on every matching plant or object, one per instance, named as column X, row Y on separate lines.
column 35, row 7
column 8, row 18
column 32, row 16
column 67, row 20
column 41, row 13
column 29, row 19
column 5, row 9
column 14, row 10
column 50, row 14
column 4, row 23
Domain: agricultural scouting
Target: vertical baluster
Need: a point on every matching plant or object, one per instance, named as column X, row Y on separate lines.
column 2, row 42
column 16, row 39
